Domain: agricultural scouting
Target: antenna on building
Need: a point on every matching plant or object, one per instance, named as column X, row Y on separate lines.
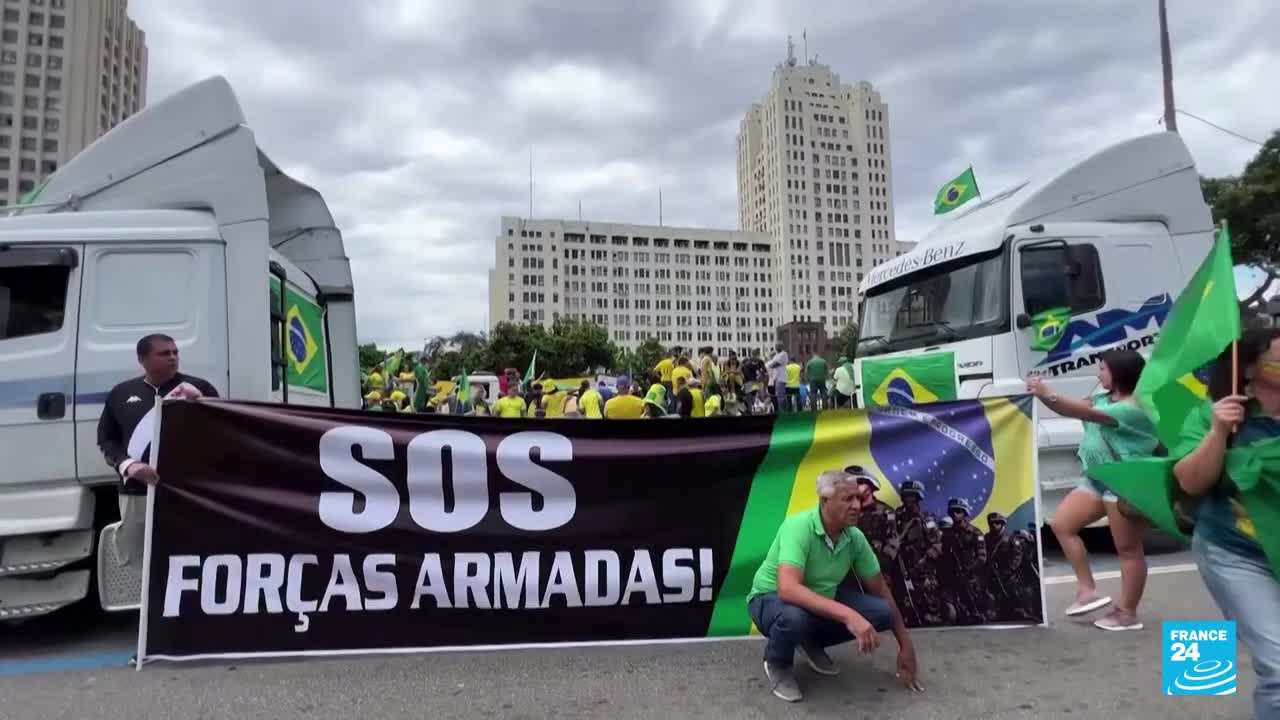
column 805, row 34
column 659, row 206
column 791, row 52
column 530, row 182
column 579, row 209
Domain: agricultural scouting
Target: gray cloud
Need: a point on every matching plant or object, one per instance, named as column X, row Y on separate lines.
column 416, row 118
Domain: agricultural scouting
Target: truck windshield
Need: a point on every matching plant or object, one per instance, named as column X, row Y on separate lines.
column 964, row 299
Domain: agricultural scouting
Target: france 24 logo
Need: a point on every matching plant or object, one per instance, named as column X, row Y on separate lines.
column 1199, row 658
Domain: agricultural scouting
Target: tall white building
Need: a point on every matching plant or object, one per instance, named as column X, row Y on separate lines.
column 690, row 287
column 70, row 70
column 814, row 175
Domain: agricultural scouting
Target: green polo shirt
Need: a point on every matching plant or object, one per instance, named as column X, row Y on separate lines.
column 802, row 542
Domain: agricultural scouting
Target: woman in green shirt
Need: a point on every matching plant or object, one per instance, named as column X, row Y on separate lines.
column 1226, row 447
column 1115, row 428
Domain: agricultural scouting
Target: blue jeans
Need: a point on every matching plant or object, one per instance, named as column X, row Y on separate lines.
column 787, row 626
column 1247, row 592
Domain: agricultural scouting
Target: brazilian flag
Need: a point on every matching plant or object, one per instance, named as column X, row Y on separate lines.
column 306, row 364
column 909, row 380
column 956, row 193
column 1204, row 320
column 1047, row 327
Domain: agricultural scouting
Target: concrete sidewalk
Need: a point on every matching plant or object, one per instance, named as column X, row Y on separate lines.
column 1070, row 670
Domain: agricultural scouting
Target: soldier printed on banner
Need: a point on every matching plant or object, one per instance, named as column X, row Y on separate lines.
column 965, row 552
column 877, row 521
column 1006, row 556
column 916, row 548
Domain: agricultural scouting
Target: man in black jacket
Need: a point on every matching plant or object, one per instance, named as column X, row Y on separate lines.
column 127, row 424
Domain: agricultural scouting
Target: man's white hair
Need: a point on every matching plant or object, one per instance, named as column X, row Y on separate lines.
column 829, row 480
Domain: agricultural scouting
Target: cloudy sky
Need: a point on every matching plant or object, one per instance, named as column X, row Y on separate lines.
column 416, row 118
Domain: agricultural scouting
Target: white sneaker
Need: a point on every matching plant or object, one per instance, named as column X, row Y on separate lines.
column 1087, row 604
column 1118, row 621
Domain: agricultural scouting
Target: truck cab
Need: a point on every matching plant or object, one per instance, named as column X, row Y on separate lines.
column 176, row 223
column 1044, row 277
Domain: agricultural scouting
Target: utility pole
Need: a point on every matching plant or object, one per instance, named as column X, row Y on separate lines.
column 1166, row 63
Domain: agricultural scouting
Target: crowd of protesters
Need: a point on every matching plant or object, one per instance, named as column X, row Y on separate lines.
column 687, row 385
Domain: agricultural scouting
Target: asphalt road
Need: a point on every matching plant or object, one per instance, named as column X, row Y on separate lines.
column 71, row 667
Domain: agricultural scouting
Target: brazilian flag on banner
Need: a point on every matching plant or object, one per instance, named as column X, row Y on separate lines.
column 909, row 380
column 305, row 358
column 956, row 193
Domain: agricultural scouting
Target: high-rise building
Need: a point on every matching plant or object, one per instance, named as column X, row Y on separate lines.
column 814, row 175
column 690, row 287
column 70, row 70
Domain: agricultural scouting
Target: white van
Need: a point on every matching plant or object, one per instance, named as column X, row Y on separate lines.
column 175, row 223
column 1112, row 240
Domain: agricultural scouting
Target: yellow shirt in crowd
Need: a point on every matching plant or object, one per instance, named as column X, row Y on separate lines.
column 664, row 368
column 699, row 404
column 793, row 374
column 624, row 407
column 589, row 404
column 553, row 404
column 509, row 407
column 681, row 371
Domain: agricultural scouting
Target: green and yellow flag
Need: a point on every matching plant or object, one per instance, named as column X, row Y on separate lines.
column 306, row 362
column 464, row 387
column 528, row 374
column 909, row 380
column 1047, row 327
column 956, row 193
column 422, row 388
column 1204, row 320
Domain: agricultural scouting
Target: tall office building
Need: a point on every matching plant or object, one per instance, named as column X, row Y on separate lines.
column 690, row 287
column 70, row 70
column 814, row 175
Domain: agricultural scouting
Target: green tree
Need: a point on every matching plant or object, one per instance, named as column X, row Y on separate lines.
column 1250, row 203
column 579, row 347
column 847, row 340
column 647, row 355
column 370, row 355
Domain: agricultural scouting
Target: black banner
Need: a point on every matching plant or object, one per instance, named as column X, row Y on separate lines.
column 288, row 530
column 295, row 530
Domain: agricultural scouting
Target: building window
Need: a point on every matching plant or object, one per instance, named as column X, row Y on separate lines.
column 52, row 124
column 27, row 165
column 57, row 20
column 29, row 122
column 26, row 186
column 53, row 83
column 8, row 57
column 31, row 102
column 55, row 62
column 49, row 145
column 35, row 39
column 53, row 104
column 55, row 42
column 34, row 59
column 28, row 143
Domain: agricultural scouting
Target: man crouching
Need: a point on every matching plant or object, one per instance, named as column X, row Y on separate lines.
column 796, row 598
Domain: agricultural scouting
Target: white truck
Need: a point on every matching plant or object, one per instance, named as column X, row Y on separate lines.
column 174, row 222
column 1111, row 240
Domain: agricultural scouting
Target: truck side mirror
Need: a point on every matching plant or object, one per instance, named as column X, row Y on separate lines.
column 1023, row 321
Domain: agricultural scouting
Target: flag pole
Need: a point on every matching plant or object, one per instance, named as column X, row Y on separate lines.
column 974, row 175
column 1235, row 344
